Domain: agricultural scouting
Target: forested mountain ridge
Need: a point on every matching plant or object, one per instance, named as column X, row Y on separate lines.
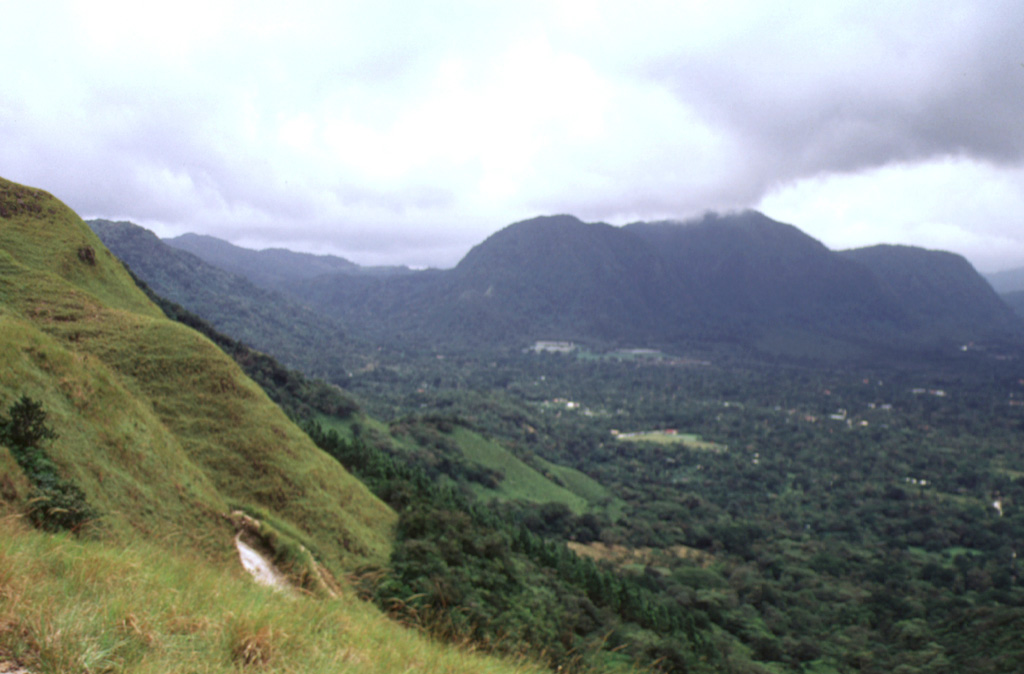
column 271, row 267
column 234, row 304
column 740, row 279
column 1015, row 300
column 937, row 290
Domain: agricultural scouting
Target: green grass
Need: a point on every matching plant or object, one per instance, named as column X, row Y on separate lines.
column 69, row 605
column 552, row 483
column 578, row 482
column 45, row 235
column 521, row 481
column 365, row 426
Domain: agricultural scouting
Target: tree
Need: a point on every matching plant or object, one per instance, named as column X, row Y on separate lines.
column 26, row 427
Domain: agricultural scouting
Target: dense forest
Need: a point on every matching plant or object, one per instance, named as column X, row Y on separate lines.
column 831, row 521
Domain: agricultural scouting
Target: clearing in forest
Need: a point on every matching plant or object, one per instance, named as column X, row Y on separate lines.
column 671, row 437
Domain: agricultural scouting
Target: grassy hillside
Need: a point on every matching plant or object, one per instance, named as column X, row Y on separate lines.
column 165, row 436
column 161, row 430
column 45, row 236
column 520, row 481
column 515, row 479
column 82, row 606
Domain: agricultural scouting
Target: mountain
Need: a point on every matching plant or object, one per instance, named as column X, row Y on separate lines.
column 753, row 276
column 1010, row 286
column 938, row 291
column 234, row 304
column 1009, row 280
column 272, row 267
column 167, row 443
column 739, row 281
column 724, row 285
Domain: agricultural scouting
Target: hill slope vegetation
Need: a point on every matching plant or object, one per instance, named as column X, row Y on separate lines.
column 163, row 436
column 271, row 267
column 160, row 427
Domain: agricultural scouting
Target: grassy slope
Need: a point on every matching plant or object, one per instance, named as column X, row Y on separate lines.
column 521, row 481
column 582, row 484
column 74, row 606
column 153, row 406
column 165, row 434
column 556, row 484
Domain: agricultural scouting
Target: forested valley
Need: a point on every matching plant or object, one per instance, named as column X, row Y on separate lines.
column 748, row 518
column 824, row 521
column 596, row 507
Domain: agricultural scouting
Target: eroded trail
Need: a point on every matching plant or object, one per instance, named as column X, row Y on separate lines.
column 261, row 569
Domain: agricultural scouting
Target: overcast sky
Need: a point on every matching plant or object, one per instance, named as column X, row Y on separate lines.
column 407, row 132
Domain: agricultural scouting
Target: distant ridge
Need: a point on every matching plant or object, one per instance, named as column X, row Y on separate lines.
column 938, row 290
column 1007, row 281
column 738, row 281
column 1015, row 300
column 273, row 267
column 260, row 317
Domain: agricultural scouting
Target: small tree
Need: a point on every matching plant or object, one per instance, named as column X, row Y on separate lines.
column 26, row 426
column 56, row 504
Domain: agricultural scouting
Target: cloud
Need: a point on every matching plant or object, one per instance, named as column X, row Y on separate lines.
column 951, row 203
column 406, row 133
column 850, row 86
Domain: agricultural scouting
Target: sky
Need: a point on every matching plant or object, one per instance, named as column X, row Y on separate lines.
column 408, row 132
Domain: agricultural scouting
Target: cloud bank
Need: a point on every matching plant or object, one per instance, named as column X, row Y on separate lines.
column 407, row 132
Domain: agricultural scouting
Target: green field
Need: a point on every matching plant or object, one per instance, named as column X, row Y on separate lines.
column 688, row 440
column 578, row 482
column 521, row 482
column 543, row 482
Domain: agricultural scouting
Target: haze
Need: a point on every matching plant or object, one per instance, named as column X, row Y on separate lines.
column 405, row 133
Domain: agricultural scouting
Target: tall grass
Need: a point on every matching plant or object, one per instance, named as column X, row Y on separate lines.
column 68, row 605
